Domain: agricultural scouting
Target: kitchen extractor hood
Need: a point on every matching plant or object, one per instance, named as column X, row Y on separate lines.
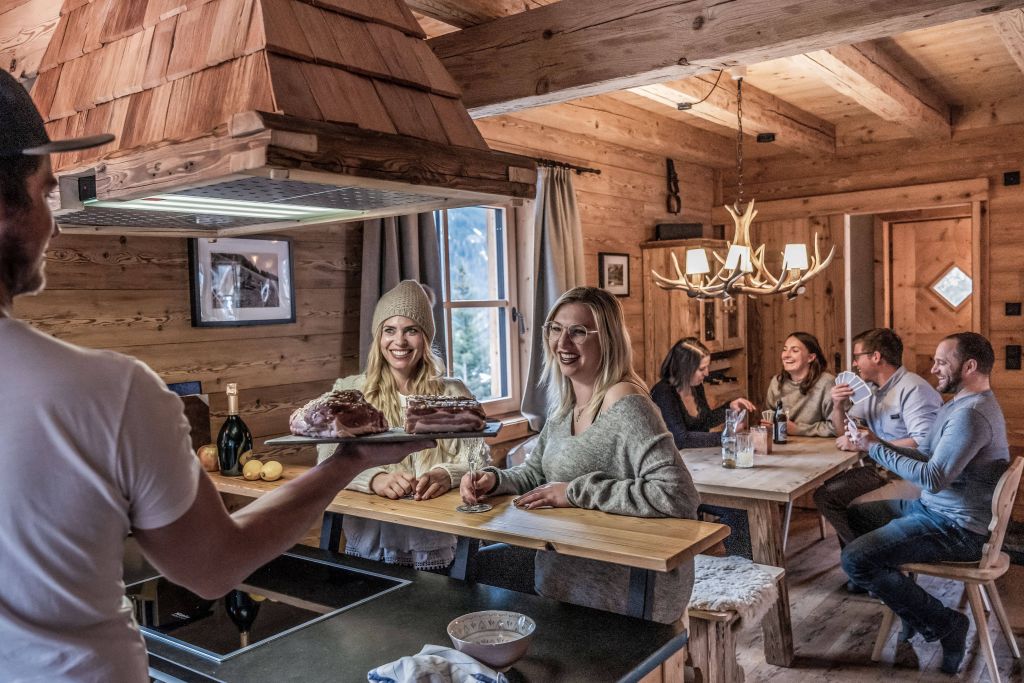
column 240, row 116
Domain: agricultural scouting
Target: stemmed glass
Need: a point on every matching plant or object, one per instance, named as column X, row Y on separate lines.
column 476, row 460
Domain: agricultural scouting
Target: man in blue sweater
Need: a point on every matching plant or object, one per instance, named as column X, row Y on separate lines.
column 957, row 468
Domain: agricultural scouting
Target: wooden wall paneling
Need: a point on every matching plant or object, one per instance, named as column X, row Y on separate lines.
column 131, row 294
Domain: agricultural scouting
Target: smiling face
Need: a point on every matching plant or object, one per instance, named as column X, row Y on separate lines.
column 402, row 344
column 865, row 364
column 702, row 371
column 578, row 362
column 25, row 235
column 796, row 359
column 946, row 366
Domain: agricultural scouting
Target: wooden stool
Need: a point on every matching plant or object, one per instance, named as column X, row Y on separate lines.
column 712, row 644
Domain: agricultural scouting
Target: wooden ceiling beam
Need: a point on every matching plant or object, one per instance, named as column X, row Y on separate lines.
column 625, row 125
column 463, row 13
column 880, row 84
column 576, row 48
column 794, row 128
column 1010, row 27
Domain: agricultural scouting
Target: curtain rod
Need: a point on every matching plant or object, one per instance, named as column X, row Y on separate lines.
column 565, row 164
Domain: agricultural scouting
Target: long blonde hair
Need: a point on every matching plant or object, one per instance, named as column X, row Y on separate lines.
column 616, row 351
column 380, row 387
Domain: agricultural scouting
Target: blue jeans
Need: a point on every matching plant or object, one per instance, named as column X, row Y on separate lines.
column 891, row 533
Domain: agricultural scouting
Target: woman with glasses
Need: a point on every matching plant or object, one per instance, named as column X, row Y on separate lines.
column 400, row 363
column 603, row 447
column 679, row 395
column 804, row 387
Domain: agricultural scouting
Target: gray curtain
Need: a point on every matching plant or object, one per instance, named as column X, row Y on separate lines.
column 558, row 263
column 395, row 249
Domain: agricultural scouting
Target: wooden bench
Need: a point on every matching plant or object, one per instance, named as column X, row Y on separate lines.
column 712, row 644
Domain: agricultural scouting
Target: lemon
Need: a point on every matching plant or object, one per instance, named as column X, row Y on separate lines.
column 271, row 470
column 251, row 470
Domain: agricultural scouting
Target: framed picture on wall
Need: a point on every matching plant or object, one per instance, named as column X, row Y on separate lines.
column 238, row 282
column 613, row 273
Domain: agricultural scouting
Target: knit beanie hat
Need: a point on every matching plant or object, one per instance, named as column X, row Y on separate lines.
column 406, row 299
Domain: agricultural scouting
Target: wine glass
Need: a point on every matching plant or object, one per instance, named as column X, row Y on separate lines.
column 476, row 460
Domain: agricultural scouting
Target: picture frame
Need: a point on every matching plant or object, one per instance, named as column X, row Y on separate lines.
column 613, row 273
column 241, row 281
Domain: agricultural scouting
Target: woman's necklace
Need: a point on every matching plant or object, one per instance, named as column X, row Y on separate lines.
column 577, row 414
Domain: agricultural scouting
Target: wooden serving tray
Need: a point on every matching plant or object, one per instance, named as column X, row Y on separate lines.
column 393, row 435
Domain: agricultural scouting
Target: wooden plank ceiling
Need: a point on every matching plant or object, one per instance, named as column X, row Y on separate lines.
column 926, row 72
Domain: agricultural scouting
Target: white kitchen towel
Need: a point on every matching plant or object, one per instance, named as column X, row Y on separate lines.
column 435, row 664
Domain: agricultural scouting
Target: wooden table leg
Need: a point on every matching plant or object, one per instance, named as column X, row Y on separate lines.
column 330, row 531
column 640, row 600
column 766, row 543
column 464, row 565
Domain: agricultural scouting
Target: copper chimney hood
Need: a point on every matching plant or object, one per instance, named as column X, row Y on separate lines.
column 235, row 117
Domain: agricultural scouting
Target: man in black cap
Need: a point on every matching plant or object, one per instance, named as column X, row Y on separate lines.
column 92, row 447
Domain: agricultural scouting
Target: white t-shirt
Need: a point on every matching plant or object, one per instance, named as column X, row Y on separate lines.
column 91, row 445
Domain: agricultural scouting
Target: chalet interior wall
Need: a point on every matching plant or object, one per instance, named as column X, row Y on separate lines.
column 618, row 208
column 983, row 153
column 131, row 294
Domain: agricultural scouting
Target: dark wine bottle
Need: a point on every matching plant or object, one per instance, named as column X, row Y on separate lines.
column 780, row 424
column 234, row 438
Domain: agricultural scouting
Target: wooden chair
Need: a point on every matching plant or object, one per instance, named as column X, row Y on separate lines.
column 976, row 575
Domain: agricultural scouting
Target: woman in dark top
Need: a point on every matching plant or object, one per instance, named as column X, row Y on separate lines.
column 679, row 394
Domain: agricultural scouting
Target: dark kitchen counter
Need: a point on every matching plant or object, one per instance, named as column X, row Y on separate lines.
column 570, row 644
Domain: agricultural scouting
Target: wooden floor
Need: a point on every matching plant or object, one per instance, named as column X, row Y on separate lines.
column 834, row 631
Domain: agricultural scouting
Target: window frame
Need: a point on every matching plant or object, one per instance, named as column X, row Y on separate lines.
column 511, row 403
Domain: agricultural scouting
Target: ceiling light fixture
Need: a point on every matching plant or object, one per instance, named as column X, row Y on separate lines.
column 743, row 270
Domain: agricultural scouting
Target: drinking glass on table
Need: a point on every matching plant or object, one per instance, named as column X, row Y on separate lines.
column 744, row 450
column 476, row 461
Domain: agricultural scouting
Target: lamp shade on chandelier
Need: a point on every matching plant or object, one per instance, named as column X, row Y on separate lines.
column 743, row 270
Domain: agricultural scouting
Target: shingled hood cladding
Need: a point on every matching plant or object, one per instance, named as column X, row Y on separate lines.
column 333, row 109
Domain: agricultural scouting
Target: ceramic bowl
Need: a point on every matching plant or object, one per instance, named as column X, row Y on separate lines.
column 494, row 637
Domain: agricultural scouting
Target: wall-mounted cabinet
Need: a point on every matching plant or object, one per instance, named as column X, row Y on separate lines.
column 670, row 315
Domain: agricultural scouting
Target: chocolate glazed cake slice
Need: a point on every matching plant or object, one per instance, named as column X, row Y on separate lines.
column 432, row 414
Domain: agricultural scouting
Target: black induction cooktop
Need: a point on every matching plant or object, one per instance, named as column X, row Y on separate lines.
column 285, row 595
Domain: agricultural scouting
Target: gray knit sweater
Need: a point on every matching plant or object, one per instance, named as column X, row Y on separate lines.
column 810, row 412
column 624, row 464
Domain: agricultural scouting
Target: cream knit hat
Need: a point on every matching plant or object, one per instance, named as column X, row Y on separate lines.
column 406, row 299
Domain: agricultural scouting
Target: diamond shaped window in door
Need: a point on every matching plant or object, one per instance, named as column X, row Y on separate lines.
column 954, row 287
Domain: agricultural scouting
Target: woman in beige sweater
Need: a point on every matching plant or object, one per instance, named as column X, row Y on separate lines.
column 804, row 387
column 400, row 363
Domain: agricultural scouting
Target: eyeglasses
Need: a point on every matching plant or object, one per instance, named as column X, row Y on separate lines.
column 577, row 333
column 862, row 353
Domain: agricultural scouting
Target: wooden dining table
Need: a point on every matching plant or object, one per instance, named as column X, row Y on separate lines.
column 775, row 481
column 645, row 545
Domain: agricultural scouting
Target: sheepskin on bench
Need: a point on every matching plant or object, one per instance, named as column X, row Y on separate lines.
column 733, row 584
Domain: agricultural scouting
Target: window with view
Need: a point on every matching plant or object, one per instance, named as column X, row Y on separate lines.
column 476, row 254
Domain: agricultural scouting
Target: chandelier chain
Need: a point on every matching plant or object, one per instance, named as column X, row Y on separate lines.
column 739, row 142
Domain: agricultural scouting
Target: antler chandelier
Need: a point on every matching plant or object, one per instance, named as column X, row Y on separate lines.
column 743, row 270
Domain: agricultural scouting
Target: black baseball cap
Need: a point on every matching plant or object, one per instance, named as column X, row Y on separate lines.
column 21, row 127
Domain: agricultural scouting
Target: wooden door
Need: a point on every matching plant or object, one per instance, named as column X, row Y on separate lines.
column 922, row 253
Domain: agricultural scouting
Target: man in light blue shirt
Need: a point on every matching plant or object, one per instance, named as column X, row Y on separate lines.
column 957, row 469
column 900, row 410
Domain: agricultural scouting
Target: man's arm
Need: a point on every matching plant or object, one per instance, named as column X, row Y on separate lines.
column 209, row 551
column 961, row 439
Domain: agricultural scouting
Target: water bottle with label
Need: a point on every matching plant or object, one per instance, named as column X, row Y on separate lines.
column 732, row 418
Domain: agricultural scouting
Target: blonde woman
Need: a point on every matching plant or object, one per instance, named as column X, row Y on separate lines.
column 400, row 363
column 604, row 447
